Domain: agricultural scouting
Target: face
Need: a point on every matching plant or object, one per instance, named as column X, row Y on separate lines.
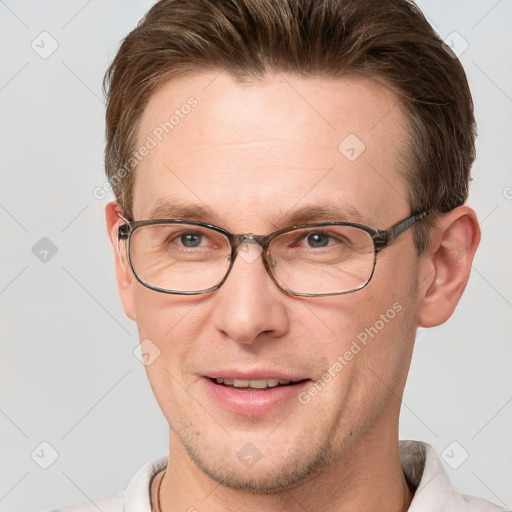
column 254, row 158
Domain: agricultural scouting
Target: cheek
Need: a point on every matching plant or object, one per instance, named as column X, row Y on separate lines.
column 369, row 363
column 387, row 337
column 350, row 317
column 168, row 326
column 371, row 332
column 158, row 314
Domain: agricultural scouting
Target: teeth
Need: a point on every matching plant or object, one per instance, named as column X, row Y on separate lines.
column 258, row 384
column 255, row 384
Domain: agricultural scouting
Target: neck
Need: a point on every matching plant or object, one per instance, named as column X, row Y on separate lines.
column 367, row 476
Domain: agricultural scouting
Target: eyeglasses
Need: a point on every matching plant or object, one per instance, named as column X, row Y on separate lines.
column 310, row 260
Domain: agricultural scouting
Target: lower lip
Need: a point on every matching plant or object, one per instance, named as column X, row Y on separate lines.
column 252, row 402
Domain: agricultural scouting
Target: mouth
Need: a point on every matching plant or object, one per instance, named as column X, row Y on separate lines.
column 253, row 395
column 255, row 384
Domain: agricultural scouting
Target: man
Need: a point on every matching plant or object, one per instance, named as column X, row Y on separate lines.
column 290, row 179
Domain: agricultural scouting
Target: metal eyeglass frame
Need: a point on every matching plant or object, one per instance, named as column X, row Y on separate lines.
column 381, row 239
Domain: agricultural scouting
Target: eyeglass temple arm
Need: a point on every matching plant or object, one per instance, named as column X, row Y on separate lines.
column 385, row 236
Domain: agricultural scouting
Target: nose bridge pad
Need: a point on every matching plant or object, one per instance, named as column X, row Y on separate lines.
column 249, row 250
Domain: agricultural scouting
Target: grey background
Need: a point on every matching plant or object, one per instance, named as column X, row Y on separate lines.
column 69, row 374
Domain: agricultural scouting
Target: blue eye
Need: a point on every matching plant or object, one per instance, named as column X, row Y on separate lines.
column 318, row 239
column 191, row 239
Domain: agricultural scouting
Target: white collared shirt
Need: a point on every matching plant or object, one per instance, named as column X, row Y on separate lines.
column 420, row 464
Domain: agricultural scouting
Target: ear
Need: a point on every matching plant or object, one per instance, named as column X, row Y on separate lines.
column 447, row 265
column 123, row 271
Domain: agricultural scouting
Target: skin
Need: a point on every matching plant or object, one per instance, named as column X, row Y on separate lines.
column 248, row 155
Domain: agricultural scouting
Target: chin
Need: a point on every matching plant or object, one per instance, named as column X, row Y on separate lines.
column 261, row 473
column 263, row 480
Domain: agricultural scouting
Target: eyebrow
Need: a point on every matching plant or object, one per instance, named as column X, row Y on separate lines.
column 172, row 209
column 335, row 212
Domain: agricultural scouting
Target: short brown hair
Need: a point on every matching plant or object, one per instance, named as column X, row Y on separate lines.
column 387, row 40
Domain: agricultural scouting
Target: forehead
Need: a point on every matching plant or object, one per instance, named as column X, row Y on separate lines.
column 258, row 149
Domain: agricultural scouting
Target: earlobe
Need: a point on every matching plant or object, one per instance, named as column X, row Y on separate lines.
column 123, row 274
column 447, row 265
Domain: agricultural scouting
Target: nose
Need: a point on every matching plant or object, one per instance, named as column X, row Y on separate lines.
column 249, row 305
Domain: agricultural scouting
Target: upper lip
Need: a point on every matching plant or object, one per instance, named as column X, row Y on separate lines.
column 254, row 375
